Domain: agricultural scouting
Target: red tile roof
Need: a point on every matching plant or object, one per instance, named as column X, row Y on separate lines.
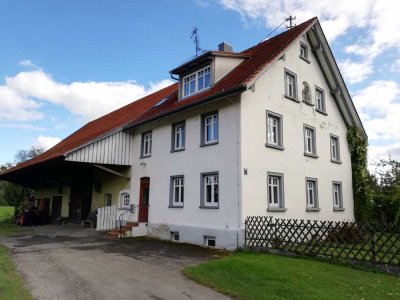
column 142, row 110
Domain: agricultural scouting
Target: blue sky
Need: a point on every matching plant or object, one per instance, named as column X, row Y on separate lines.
column 64, row 63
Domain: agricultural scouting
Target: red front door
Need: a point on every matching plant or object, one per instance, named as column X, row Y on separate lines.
column 144, row 199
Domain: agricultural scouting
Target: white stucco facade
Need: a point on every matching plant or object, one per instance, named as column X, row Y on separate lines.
column 242, row 159
column 192, row 222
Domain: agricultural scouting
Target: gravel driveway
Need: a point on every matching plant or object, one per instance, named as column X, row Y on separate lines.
column 68, row 262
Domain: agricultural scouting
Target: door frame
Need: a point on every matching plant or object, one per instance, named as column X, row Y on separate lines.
column 144, row 210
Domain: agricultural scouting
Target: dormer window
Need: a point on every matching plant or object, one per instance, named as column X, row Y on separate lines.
column 197, row 81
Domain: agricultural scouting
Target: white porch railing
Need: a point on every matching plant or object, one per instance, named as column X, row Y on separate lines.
column 109, row 217
column 106, row 218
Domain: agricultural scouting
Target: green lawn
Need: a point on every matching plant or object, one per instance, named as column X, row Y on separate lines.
column 266, row 276
column 11, row 285
column 6, row 213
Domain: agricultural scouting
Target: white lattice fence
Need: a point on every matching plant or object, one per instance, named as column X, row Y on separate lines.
column 106, row 217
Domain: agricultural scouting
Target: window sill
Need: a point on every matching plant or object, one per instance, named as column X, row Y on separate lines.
column 175, row 206
column 336, row 161
column 291, row 98
column 313, row 209
column 209, row 207
column 308, row 103
column 276, row 209
column 305, row 59
column 177, row 150
column 274, row 146
column 311, row 155
column 321, row 112
column 208, row 144
column 338, row 209
column 144, row 156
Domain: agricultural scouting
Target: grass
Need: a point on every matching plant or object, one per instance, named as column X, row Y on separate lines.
column 7, row 224
column 266, row 276
column 6, row 213
column 11, row 284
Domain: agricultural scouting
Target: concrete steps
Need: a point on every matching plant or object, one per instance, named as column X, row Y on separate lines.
column 131, row 229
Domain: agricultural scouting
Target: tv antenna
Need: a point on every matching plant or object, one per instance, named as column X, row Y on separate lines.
column 290, row 19
column 195, row 38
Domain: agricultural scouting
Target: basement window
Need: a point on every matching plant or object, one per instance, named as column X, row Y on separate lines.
column 209, row 241
column 174, row 236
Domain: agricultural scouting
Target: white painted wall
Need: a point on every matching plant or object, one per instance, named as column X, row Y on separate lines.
column 223, row 65
column 192, row 222
column 258, row 159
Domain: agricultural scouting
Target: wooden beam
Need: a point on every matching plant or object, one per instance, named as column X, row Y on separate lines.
column 112, row 171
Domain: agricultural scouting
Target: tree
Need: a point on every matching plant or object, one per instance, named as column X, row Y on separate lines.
column 387, row 190
column 11, row 193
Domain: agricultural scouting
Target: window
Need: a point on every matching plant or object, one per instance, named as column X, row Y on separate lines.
column 209, row 190
column 178, row 136
column 290, row 85
column 275, row 192
column 209, row 130
column 146, row 143
column 209, row 241
column 125, row 199
column 337, row 195
column 320, row 100
column 176, row 191
column 312, row 194
column 174, row 236
column 310, row 147
column 107, row 199
column 197, row 81
column 304, row 51
column 335, row 148
column 274, row 130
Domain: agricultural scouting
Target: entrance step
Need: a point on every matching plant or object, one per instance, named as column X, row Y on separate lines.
column 140, row 229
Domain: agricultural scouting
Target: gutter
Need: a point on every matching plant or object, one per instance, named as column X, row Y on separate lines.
column 239, row 88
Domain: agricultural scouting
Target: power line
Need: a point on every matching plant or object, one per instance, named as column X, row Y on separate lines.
column 273, row 31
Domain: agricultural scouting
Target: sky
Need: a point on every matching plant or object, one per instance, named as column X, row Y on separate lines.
column 65, row 63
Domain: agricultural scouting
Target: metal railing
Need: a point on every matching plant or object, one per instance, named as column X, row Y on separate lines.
column 127, row 215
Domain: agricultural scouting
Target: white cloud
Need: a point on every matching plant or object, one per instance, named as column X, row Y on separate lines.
column 46, row 142
column 379, row 108
column 24, row 126
column 28, row 64
column 13, row 106
column 203, row 3
column 22, row 94
column 395, row 67
column 355, row 72
column 377, row 20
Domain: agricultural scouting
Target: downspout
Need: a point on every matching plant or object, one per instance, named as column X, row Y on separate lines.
column 238, row 169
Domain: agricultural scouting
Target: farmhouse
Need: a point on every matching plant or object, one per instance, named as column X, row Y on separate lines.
column 257, row 132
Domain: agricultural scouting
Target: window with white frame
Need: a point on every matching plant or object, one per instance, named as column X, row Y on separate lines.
column 275, row 191
column 310, row 147
column 125, row 199
column 177, row 191
column 337, row 195
column 312, row 193
column 210, row 190
column 335, row 148
column 146, row 144
column 107, row 199
column 304, row 51
column 274, row 130
column 290, row 85
column 209, row 129
column 197, row 81
column 174, row 236
column 178, row 136
column 209, row 241
column 320, row 100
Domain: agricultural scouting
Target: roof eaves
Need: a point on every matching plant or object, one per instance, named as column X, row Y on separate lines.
column 236, row 89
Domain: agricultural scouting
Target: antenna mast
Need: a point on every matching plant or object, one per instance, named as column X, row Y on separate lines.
column 195, row 38
column 290, row 19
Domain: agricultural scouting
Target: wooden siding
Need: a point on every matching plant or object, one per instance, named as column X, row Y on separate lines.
column 115, row 149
